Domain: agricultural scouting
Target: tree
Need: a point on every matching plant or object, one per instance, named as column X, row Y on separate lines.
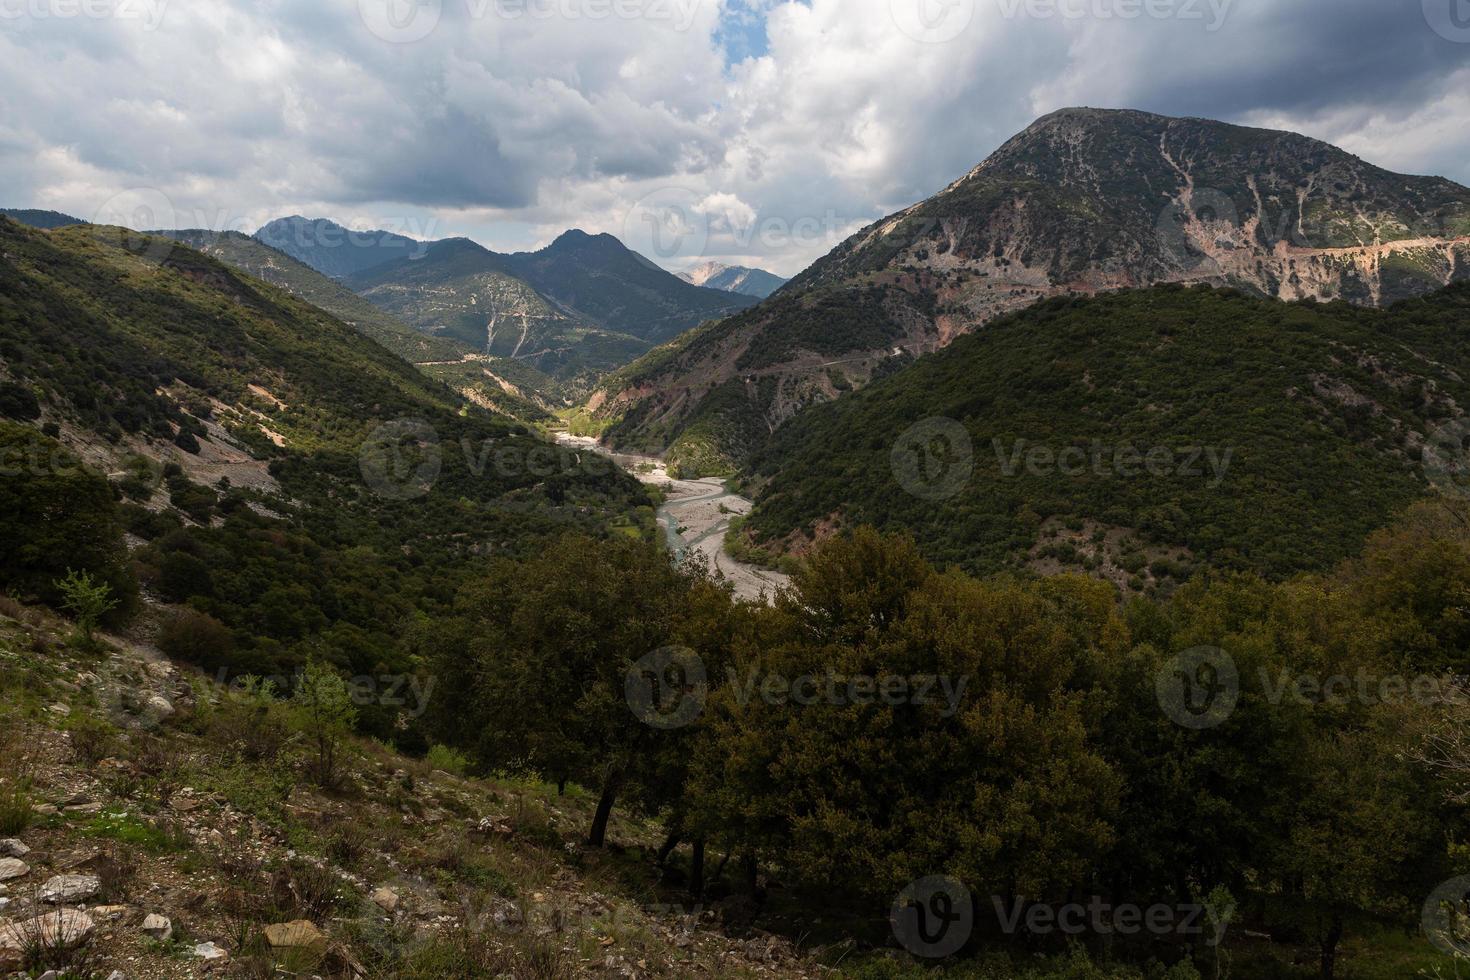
column 88, row 599
column 535, row 666
column 325, row 714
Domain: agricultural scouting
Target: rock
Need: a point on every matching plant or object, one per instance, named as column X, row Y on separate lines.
column 12, row 868
column 61, row 929
column 158, row 927
column 86, row 809
column 107, row 911
column 70, row 888
column 10, row 847
column 117, row 975
column 300, row 934
column 44, row 810
column 211, row 953
column 59, row 709
column 386, row 899
column 159, row 706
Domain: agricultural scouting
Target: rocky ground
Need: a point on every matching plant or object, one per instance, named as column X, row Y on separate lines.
column 150, row 830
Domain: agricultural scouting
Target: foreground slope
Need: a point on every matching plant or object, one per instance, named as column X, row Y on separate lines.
column 1084, row 201
column 1283, row 434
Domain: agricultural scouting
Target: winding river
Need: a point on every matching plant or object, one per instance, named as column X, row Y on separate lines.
column 695, row 516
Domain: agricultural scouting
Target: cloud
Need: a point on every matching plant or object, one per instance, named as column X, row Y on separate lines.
column 785, row 125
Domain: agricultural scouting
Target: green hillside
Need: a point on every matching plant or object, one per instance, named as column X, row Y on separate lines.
column 1284, row 433
column 279, row 269
column 291, row 478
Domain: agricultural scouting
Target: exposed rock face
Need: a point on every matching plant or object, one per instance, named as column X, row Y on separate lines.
column 1084, row 201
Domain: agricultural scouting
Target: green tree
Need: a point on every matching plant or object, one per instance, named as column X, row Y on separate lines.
column 325, row 714
column 88, row 599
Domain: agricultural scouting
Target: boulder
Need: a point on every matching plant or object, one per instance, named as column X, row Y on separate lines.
column 66, row 889
column 158, row 927
column 300, row 934
column 386, row 899
column 12, row 848
column 62, row 929
column 12, row 868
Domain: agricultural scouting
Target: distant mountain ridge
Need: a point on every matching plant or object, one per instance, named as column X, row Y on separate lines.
column 734, row 279
column 1083, row 201
column 334, row 250
column 40, row 219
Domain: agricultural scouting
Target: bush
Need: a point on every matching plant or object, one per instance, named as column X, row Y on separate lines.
column 248, row 722
column 19, row 402
column 447, row 759
column 197, row 638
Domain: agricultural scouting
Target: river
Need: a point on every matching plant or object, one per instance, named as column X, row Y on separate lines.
column 694, row 517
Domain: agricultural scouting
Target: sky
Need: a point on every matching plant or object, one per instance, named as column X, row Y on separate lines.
column 750, row 132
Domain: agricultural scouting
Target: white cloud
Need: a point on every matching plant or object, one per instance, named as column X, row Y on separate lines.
column 512, row 127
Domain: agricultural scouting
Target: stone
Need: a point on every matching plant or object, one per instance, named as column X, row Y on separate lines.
column 12, row 868
column 61, row 929
column 300, row 934
column 386, row 899
column 86, row 809
column 158, row 927
column 70, row 888
column 117, row 975
column 210, row 953
column 159, row 706
column 10, row 847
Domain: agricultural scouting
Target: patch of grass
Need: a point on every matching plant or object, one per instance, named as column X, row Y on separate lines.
column 158, row 835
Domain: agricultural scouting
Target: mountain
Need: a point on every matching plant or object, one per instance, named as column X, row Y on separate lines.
column 254, row 257
column 1136, row 435
column 734, row 279
column 40, row 219
column 462, row 291
column 580, row 307
column 333, row 250
column 618, row 289
column 1084, row 201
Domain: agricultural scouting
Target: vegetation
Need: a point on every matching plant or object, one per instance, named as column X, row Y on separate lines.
column 1285, row 431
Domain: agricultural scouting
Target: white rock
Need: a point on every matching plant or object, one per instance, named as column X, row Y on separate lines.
column 12, row 868
column 210, row 952
column 10, row 847
column 70, row 888
column 158, row 927
column 63, row 928
column 159, row 706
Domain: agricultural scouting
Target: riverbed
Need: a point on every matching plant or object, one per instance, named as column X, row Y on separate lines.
column 694, row 517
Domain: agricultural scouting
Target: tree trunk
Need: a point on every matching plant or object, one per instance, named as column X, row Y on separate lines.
column 1329, row 947
column 696, row 869
column 667, row 848
column 598, row 835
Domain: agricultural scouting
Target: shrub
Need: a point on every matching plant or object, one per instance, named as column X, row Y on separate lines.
column 92, row 739
column 325, row 715
column 448, row 760
column 87, row 598
column 197, row 638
